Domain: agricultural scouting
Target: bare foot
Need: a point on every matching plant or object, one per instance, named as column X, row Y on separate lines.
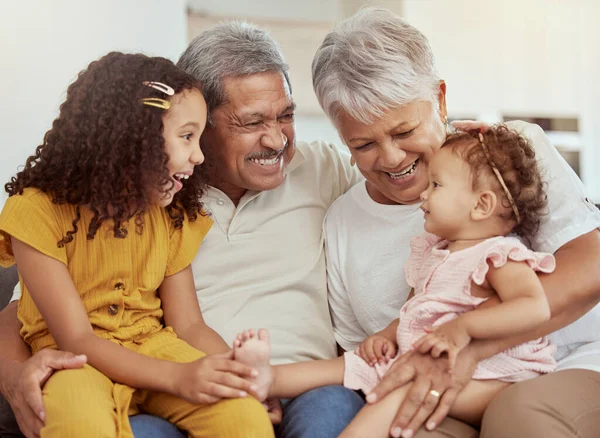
column 255, row 352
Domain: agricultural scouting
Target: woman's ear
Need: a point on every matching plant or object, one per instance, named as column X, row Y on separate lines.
column 485, row 206
column 442, row 100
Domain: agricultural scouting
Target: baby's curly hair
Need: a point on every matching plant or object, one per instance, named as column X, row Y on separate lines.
column 514, row 157
column 106, row 149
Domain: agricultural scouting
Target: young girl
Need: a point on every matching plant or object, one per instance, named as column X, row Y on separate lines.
column 103, row 223
column 483, row 186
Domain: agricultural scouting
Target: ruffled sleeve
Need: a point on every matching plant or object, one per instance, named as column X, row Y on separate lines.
column 511, row 248
column 420, row 247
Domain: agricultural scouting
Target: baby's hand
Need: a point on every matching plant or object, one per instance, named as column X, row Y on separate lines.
column 449, row 338
column 376, row 349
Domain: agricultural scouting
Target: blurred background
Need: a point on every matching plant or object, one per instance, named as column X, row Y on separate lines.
column 537, row 60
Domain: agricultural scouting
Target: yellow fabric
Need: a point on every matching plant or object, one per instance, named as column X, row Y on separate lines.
column 71, row 395
column 117, row 279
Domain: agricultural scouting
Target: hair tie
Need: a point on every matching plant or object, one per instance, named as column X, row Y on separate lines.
column 499, row 177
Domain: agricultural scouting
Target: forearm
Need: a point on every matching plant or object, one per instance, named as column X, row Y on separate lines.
column 291, row 380
column 390, row 331
column 14, row 349
column 514, row 317
column 203, row 338
column 122, row 365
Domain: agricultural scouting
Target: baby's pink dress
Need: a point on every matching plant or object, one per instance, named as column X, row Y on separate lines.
column 442, row 283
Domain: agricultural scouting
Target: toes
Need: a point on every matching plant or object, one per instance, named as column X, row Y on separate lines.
column 263, row 335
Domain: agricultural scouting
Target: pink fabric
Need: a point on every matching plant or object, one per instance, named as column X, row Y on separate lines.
column 442, row 283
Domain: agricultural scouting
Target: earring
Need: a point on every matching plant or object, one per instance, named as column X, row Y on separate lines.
column 445, row 120
column 352, row 161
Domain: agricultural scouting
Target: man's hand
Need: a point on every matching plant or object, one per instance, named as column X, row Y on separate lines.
column 274, row 409
column 450, row 338
column 23, row 390
column 434, row 389
column 376, row 349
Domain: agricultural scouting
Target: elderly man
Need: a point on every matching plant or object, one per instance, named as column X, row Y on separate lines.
column 262, row 263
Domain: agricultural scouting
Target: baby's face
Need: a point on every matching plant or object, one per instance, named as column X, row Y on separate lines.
column 449, row 198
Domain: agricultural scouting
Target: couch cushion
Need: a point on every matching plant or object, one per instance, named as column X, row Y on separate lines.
column 8, row 280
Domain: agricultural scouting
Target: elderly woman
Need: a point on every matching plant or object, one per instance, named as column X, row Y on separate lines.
column 375, row 77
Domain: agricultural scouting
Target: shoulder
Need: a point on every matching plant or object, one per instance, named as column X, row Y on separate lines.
column 324, row 155
column 342, row 207
column 536, row 135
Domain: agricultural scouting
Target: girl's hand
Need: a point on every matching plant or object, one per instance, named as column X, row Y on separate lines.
column 450, row 338
column 213, row 378
column 376, row 349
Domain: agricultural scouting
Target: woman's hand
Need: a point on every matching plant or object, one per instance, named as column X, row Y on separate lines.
column 23, row 390
column 434, row 388
column 376, row 349
column 470, row 125
column 450, row 338
column 213, row 378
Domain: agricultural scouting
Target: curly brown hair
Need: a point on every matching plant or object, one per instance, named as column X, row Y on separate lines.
column 514, row 157
column 106, row 149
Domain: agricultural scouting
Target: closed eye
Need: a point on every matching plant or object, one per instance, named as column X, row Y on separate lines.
column 364, row 147
column 404, row 134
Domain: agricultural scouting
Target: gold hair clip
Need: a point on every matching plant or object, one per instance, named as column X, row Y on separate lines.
column 499, row 178
column 156, row 102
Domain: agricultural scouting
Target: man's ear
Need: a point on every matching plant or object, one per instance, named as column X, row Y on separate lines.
column 485, row 206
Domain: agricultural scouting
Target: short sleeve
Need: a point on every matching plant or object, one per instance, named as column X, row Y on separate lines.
column 185, row 242
column 347, row 175
column 420, row 247
column 511, row 248
column 31, row 218
column 570, row 213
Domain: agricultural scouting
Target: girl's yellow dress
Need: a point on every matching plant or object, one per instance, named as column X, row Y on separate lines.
column 117, row 280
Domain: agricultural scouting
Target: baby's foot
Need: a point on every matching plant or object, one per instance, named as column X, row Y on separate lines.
column 255, row 352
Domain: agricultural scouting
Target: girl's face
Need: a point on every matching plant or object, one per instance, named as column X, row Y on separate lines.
column 393, row 152
column 449, row 198
column 183, row 124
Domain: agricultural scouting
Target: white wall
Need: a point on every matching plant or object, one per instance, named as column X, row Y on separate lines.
column 44, row 44
column 523, row 58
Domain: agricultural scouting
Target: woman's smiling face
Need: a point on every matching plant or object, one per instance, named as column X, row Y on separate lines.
column 393, row 152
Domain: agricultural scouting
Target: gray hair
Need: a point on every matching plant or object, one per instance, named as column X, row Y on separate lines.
column 372, row 62
column 230, row 49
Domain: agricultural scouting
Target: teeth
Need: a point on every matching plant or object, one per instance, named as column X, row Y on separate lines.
column 408, row 171
column 181, row 176
column 264, row 162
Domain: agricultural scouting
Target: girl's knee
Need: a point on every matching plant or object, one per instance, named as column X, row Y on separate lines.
column 249, row 417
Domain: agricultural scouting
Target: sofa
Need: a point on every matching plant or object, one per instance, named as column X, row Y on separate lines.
column 8, row 424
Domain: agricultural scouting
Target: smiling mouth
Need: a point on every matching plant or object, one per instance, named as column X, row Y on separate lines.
column 408, row 171
column 270, row 161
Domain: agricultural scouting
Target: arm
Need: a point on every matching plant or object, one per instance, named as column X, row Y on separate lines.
column 522, row 308
column 48, row 282
column 182, row 312
column 572, row 290
column 22, row 376
column 206, row 380
column 523, row 304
